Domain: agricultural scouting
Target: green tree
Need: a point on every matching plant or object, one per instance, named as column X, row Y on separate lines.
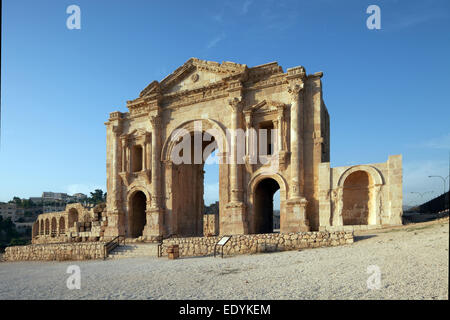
column 7, row 231
column 17, row 201
column 97, row 197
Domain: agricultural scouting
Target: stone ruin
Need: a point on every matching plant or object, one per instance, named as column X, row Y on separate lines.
column 151, row 198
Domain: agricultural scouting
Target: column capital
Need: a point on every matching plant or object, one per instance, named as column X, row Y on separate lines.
column 156, row 122
column 117, row 129
column 236, row 104
column 280, row 108
column 295, row 89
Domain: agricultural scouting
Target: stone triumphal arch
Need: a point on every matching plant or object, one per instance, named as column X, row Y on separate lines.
column 152, row 196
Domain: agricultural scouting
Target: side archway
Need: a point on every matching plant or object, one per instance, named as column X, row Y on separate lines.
column 360, row 186
column 374, row 174
column 47, row 226
column 262, row 188
column 35, row 229
column 42, row 228
column 54, row 226
column 72, row 217
column 137, row 212
column 62, row 225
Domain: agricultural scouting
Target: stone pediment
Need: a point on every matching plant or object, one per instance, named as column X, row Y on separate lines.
column 194, row 74
column 135, row 133
column 264, row 107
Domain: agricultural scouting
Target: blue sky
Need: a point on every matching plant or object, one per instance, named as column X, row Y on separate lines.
column 387, row 91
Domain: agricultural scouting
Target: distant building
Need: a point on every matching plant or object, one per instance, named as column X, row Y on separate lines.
column 57, row 208
column 79, row 196
column 28, row 213
column 276, row 219
column 8, row 210
column 55, row 195
column 37, row 200
column 24, row 227
column 213, row 208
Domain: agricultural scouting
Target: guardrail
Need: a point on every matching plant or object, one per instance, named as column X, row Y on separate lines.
column 114, row 243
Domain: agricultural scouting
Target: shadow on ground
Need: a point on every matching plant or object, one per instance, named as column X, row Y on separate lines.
column 360, row 238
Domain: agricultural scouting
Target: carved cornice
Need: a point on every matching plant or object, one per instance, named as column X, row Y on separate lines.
column 263, row 71
column 138, row 108
column 153, row 102
column 235, row 85
column 198, row 95
column 226, row 67
column 116, row 115
column 296, row 72
column 257, row 83
column 235, row 77
column 315, row 75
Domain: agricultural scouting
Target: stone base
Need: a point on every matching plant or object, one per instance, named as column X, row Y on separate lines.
column 235, row 216
column 294, row 219
column 155, row 224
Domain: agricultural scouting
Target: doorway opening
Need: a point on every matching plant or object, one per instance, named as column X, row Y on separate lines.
column 264, row 219
column 137, row 219
column 356, row 199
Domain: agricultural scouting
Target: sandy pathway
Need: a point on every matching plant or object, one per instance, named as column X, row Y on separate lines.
column 413, row 262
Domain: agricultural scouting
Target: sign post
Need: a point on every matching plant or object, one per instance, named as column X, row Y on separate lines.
column 221, row 243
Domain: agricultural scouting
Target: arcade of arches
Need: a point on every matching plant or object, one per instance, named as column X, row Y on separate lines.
column 76, row 223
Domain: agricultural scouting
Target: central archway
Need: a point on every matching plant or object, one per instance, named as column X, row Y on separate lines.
column 189, row 190
column 264, row 205
column 185, row 207
column 137, row 217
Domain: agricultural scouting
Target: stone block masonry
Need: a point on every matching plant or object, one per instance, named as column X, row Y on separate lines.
column 256, row 243
column 58, row 252
column 187, row 247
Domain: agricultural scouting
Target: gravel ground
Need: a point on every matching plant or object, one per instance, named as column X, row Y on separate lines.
column 413, row 261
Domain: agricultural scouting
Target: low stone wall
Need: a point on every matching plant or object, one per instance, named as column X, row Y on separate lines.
column 350, row 228
column 48, row 239
column 254, row 243
column 58, row 252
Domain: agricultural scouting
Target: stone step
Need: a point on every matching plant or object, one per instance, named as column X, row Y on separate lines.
column 134, row 250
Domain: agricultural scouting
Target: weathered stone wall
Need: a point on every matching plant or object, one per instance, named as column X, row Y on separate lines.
column 59, row 252
column 210, row 224
column 48, row 239
column 76, row 222
column 254, row 243
column 379, row 199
